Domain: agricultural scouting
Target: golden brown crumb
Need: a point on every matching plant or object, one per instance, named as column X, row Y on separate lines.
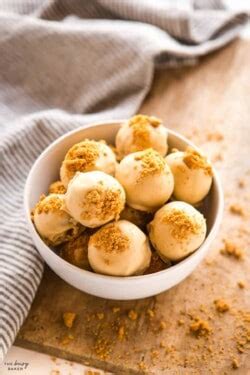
column 180, row 322
column 200, row 327
column 162, row 344
column 57, row 187
column 232, row 249
column 133, row 315
column 140, row 125
column 221, row 305
column 154, row 354
column 68, row 319
column 215, row 136
column 81, row 157
column 55, row 372
column 163, row 325
column 142, row 366
column 104, row 202
column 144, row 119
column 241, row 284
column 102, row 348
column 121, row 333
column 110, row 239
column 194, row 160
column 152, row 163
column 54, row 203
column 100, row 316
column 241, row 183
column 182, row 225
column 235, row 363
column 236, row 209
column 217, row 157
column 67, row 339
column 151, row 313
column 170, row 349
column 116, row 309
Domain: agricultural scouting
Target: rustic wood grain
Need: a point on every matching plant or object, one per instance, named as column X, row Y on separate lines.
column 202, row 102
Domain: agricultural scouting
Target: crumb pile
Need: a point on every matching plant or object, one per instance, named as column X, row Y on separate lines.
column 46, row 206
column 182, row 225
column 194, row 160
column 152, row 163
column 81, row 157
column 104, row 202
column 111, row 239
column 140, row 125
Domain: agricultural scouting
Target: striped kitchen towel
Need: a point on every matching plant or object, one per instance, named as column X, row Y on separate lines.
column 65, row 63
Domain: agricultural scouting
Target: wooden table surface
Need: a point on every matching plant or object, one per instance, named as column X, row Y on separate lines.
column 209, row 103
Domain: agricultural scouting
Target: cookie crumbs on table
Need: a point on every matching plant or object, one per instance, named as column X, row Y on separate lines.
column 237, row 209
column 233, row 250
column 69, row 318
column 200, row 327
column 241, row 183
column 133, row 315
column 235, row 363
column 215, row 136
column 221, row 305
column 241, row 284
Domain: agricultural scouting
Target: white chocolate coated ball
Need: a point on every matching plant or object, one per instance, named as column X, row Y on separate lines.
column 192, row 176
column 139, row 133
column 94, row 198
column 146, row 178
column 177, row 230
column 53, row 223
column 86, row 156
column 119, row 249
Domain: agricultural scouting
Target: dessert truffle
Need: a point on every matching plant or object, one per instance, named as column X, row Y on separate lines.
column 146, row 178
column 192, row 175
column 87, row 156
column 94, row 198
column 139, row 133
column 53, row 224
column 57, row 187
column 119, row 249
column 76, row 251
column 177, row 230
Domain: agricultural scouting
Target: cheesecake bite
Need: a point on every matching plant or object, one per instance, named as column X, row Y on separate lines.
column 119, row 249
column 177, row 230
column 53, row 224
column 94, row 198
column 86, row 156
column 146, row 178
column 139, row 133
column 192, row 175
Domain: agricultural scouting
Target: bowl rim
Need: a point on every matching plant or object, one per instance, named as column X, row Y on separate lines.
column 121, row 279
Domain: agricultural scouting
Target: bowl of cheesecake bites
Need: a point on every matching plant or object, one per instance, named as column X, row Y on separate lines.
column 121, row 209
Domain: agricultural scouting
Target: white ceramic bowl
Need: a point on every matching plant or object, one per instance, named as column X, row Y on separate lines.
column 46, row 170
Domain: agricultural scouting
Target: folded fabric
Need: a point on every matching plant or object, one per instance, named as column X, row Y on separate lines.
column 66, row 63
